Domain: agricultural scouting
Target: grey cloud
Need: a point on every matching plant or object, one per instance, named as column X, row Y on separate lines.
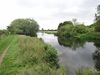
column 60, row 9
column 29, row 3
column 85, row 10
column 90, row 3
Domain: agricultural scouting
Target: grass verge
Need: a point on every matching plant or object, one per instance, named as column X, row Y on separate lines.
column 88, row 36
column 49, row 32
column 5, row 42
column 30, row 56
column 88, row 72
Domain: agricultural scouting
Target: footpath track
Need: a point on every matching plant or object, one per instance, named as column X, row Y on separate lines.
column 4, row 53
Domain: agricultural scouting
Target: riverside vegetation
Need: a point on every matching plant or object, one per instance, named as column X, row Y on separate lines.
column 73, row 30
column 79, row 30
column 31, row 56
column 28, row 56
column 69, row 30
column 49, row 31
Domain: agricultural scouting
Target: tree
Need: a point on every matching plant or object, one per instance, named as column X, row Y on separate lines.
column 80, row 29
column 74, row 21
column 65, row 23
column 4, row 32
column 97, row 28
column 42, row 29
column 97, row 19
column 97, row 15
column 98, row 10
column 68, row 29
column 24, row 26
column 65, row 28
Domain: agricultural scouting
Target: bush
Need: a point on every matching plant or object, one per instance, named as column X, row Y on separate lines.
column 68, row 30
column 51, row 57
column 88, row 72
column 80, row 29
column 65, row 30
column 4, row 32
column 97, row 28
column 24, row 26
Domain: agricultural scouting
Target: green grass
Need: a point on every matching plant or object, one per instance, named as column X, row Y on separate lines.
column 88, row 72
column 30, row 56
column 88, row 36
column 8, row 65
column 2, row 36
column 5, row 41
column 49, row 32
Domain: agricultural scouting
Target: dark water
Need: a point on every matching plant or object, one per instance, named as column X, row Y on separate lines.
column 74, row 54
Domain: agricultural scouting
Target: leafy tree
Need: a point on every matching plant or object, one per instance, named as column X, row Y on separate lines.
column 64, row 29
column 80, row 29
column 23, row 26
column 69, row 30
column 4, row 32
column 97, row 16
column 42, row 29
column 97, row 28
column 65, row 23
column 74, row 21
column 97, row 19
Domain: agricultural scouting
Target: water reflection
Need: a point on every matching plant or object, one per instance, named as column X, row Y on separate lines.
column 96, row 55
column 73, row 43
column 74, row 53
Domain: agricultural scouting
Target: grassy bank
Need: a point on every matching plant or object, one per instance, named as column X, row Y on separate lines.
column 30, row 56
column 2, row 36
column 4, row 42
column 87, row 71
column 88, row 36
column 49, row 32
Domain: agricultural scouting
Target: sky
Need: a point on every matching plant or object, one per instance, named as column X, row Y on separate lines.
column 48, row 13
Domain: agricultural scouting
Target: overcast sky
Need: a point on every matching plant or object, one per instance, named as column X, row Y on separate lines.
column 48, row 13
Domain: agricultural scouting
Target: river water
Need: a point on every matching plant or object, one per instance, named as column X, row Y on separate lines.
column 74, row 54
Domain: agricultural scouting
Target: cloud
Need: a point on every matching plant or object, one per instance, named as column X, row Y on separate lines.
column 48, row 13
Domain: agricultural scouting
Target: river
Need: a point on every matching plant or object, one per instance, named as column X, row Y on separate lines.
column 74, row 54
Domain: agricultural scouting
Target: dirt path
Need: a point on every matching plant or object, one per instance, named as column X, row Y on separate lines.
column 4, row 53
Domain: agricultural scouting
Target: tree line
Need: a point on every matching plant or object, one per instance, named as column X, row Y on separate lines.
column 74, row 28
column 24, row 27
column 67, row 28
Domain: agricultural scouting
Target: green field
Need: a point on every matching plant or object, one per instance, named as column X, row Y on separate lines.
column 49, row 32
column 88, row 36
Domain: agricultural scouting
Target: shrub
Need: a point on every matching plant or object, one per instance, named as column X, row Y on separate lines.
column 97, row 28
column 24, row 26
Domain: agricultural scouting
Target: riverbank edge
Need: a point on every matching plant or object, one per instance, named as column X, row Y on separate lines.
column 4, row 42
column 49, row 32
column 88, row 36
column 39, row 55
